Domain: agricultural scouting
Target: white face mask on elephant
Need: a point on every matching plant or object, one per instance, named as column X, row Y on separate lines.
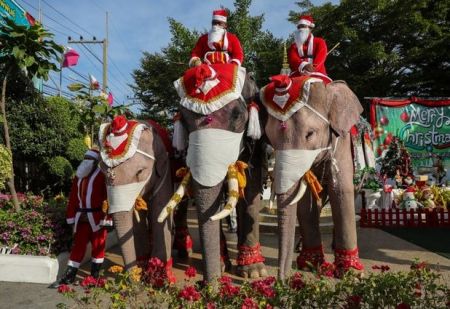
column 210, row 152
column 123, row 197
column 291, row 165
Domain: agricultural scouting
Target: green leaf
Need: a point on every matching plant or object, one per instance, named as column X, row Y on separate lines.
column 28, row 61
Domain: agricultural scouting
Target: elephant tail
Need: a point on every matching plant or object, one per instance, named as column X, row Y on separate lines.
column 233, row 193
column 176, row 198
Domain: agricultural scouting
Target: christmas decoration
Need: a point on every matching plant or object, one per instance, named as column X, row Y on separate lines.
column 404, row 116
column 384, row 121
column 396, row 161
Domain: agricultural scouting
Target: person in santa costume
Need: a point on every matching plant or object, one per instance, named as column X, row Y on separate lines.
column 308, row 53
column 218, row 45
column 84, row 213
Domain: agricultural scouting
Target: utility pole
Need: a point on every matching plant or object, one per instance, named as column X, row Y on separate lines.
column 105, row 52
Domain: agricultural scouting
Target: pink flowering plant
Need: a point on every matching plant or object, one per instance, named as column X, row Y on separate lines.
column 420, row 287
column 38, row 229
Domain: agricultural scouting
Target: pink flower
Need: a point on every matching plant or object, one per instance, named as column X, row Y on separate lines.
column 225, row 280
column 64, row 288
column 189, row 293
column 190, row 272
column 88, row 281
column 269, row 306
column 229, row 290
column 297, row 282
column 327, row 269
column 210, row 306
column 249, row 303
column 264, row 287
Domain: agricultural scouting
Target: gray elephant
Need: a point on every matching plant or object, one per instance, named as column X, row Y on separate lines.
column 308, row 126
column 136, row 163
column 216, row 121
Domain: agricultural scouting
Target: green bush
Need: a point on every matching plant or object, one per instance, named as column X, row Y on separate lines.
column 38, row 229
column 5, row 165
column 60, row 167
column 76, row 149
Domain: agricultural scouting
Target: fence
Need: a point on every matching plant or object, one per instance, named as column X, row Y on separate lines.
column 404, row 218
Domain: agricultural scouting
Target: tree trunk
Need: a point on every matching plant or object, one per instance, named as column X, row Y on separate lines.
column 10, row 182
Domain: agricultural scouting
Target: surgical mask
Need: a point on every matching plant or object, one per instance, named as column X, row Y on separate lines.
column 291, row 165
column 85, row 168
column 301, row 35
column 123, row 197
column 281, row 100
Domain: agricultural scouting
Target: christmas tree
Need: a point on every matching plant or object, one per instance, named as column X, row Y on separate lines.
column 396, row 161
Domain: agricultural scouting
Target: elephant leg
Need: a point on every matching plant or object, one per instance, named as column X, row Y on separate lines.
column 286, row 230
column 308, row 214
column 250, row 260
column 123, row 222
column 207, row 202
column 141, row 235
column 225, row 263
column 183, row 240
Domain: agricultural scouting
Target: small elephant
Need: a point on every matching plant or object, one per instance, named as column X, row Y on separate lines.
column 309, row 130
column 136, row 163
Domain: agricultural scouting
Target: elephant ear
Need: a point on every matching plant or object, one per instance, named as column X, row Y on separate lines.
column 345, row 107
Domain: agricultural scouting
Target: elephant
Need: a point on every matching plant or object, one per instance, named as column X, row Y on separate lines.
column 215, row 142
column 135, row 161
column 310, row 132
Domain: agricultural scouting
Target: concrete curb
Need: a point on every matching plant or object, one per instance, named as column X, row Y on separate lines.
column 40, row 269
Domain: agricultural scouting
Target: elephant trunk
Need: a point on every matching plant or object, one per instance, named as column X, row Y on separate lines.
column 176, row 198
column 301, row 191
column 233, row 194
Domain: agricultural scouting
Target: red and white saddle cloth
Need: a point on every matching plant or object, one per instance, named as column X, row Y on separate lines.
column 296, row 97
column 116, row 148
column 207, row 88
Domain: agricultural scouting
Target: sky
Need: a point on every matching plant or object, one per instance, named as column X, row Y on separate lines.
column 135, row 26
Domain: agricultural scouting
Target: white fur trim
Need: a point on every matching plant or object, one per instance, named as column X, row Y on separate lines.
column 254, row 127
column 70, row 220
column 305, row 22
column 205, row 109
column 73, row 264
column 97, row 260
column 286, row 88
column 300, row 102
column 220, row 18
column 93, row 154
column 236, row 61
column 131, row 150
column 122, row 128
column 302, row 66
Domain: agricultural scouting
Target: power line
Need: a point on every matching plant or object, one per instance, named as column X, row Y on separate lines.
column 92, row 53
column 80, row 75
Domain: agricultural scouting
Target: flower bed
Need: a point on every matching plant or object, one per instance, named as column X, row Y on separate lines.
column 38, row 229
column 145, row 287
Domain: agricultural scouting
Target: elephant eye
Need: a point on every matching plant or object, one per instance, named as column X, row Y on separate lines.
column 140, row 171
column 309, row 135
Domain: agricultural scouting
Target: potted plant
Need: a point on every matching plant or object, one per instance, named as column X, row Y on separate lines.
column 367, row 180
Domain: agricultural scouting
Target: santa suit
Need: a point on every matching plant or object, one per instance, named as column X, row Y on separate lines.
column 314, row 54
column 85, row 211
column 225, row 51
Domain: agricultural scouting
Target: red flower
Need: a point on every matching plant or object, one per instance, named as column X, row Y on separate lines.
column 327, row 269
column 297, row 282
column 249, row 303
column 189, row 293
column 225, row 280
column 101, row 282
column 419, row 266
column 88, row 281
column 190, row 272
column 354, row 301
column 210, row 306
column 403, row 306
column 154, row 262
column 383, row 268
column 264, row 287
column 269, row 306
column 64, row 288
column 229, row 290
column 155, row 274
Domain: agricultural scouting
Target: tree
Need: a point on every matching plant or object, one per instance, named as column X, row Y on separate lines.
column 25, row 51
column 387, row 48
column 154, row 79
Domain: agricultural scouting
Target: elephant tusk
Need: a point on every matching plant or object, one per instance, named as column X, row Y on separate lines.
column 301, row 191
column 233, row 195
column 176, row 198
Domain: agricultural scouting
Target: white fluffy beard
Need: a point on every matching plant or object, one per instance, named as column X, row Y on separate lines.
column 85, row 168
column 301, row 36
column 215, row 34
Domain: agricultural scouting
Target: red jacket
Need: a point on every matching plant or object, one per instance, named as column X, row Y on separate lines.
column 230, row 44
column 319, row 55
column 87, row 193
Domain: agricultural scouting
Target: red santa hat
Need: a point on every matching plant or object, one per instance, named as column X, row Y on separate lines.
column 92, row 153
column 220, row 15
column 306, row 20
column 282, row 82
column 119, row 125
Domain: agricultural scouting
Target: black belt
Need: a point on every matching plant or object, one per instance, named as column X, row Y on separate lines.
column 85, row 210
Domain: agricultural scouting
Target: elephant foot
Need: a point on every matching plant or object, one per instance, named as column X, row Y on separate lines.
column 251, row 262
column 344, row 260
column 183, row 242
column 252, row 271
column 310, row 258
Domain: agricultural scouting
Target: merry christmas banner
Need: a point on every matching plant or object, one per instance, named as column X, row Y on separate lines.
column 422, row 124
